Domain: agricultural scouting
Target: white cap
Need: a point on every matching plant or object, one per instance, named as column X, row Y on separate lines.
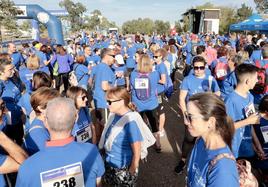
column 119, row 59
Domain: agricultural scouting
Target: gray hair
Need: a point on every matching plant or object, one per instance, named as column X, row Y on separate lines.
column 105, row 52
column 61, row 114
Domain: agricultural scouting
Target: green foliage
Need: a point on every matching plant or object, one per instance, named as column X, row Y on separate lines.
column 26, row 25
column 146, row 26
column 75, row 11
column 244, row 12
column 261, row 6
column 96, row 21
column 178, row 27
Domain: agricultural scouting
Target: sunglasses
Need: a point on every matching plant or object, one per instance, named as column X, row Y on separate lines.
column 112, row 56
column 83, row 97
column 110, row 102
column 199, row 67
column 190, row 117
column 156, row 56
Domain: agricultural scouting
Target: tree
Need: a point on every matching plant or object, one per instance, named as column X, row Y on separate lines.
column 178, row 27
column 243, row 12
column 261, row 6
column 7, row 16
column 26, row 25
column 145, row 26
column 76, row 11
column 162, row 27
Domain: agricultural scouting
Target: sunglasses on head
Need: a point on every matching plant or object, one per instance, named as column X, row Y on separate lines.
column 199, row 67
column 110, row 102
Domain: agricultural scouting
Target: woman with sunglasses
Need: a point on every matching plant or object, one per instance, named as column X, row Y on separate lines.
column 83, row 129
column 207, row 119
column 121, row 140
column 197, row 82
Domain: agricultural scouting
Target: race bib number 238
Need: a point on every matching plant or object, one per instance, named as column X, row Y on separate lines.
column 66, row 176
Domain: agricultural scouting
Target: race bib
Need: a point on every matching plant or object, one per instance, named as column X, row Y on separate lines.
column 84, row 135
column 221, row 73
column 264, row 131
column 141, row 83
column 66, row 176
column 249, row 110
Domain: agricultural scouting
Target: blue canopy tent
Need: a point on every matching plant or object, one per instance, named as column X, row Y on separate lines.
column 253, row 23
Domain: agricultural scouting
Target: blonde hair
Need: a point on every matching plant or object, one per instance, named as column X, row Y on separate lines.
column 144, row 64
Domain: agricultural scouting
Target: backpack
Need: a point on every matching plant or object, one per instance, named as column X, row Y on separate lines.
column 246, row 177
column 260, row 86
column 142, row 86
column 220, row 70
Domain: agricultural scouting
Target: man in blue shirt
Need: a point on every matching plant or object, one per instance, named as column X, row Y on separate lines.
column 240, row 107
column 104, row 79
column 82, row 169
column 16, row 57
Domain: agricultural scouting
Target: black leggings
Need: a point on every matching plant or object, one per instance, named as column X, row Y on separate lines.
column 152, row 117
column 62, row 78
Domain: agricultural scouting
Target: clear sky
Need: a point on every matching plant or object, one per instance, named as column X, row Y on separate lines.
column 124, row 10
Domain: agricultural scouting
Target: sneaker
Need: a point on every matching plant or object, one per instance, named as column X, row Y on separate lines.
column 180, row 167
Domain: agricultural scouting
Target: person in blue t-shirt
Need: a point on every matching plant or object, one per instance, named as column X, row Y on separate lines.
column 37, row 134
column 81, row 71
column 83, row 130
column 207, row 119
column 143, row 85
column 230, row 82
column 73, row 163
column 104, row 79
column 192, row 84
column 240, row 107
column 16, row 57
column 120, row 70
column 123, row 156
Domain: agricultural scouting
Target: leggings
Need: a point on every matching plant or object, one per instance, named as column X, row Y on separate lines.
column 152, row 117
column 62, row 78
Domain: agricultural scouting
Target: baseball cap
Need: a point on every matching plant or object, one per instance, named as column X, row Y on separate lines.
column 119, row 59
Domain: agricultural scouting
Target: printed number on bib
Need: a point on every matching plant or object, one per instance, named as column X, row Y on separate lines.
column 66, row 176
column 84, row 134
column 141, row 83
column 264, row 131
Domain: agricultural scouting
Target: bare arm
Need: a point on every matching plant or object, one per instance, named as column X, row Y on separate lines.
column 162, row 79
column 9, row 166
column 105, row 85
column 253, row 119
column 14, row 151
column 136, row 149
column 98, row 182
column 182, row 103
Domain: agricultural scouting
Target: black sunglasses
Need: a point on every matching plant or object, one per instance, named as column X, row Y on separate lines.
column 83, row 97
column 110, row 102
column 199, row 67
column 112, row 55
column 156, row 56
column 190, row 118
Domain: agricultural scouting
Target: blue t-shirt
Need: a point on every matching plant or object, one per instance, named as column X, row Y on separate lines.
column 161, row 69
column 131, row 62
column 237, row 107
column 256, row 55
column 81, row 126
column 194, row 85
column 224, row 173
column 81, row 72
column 26, row 76
column 57, row 158
column 102, row 73
column 36, row 137
column 24, row 102
column 121, row 152
column 120, row 72
column 150, row 103
column 17, row 59
column 228, row 84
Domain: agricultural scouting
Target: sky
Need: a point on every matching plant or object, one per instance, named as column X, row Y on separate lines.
column 120, row 11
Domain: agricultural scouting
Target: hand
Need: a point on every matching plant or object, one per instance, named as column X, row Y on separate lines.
column 254, row 119
column 261, row 154
column 132, row 170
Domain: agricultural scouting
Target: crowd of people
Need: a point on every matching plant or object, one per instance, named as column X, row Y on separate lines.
column 84, row 114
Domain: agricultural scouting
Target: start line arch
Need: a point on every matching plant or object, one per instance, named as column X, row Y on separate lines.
column 51, row 22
